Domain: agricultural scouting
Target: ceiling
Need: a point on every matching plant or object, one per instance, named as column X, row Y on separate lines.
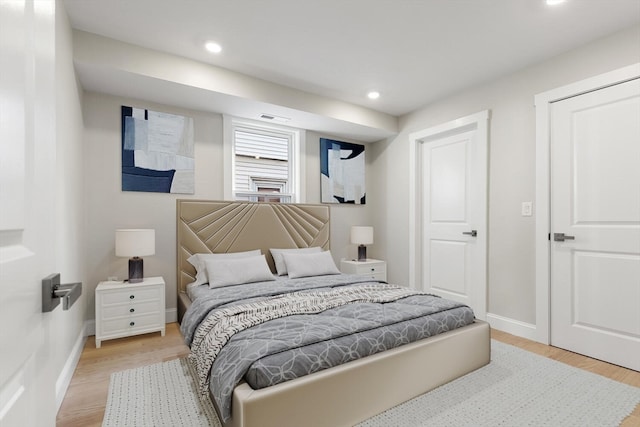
column 412, row 51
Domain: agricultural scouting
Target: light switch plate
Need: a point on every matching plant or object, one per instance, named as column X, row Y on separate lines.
column 527, row 208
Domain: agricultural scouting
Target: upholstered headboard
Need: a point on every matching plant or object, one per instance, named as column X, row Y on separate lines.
column 205, row 226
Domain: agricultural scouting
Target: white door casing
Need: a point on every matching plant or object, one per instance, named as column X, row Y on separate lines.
column 595, row 199
column 27, row 201
column 601, row 211
column 449, row 189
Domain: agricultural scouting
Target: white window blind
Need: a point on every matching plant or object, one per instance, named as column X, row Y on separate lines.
column 265, row 146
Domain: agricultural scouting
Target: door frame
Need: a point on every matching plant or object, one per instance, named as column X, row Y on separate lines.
column 479, row 122
column 543, row 103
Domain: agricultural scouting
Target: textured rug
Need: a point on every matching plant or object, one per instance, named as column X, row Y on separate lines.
column 517, row 388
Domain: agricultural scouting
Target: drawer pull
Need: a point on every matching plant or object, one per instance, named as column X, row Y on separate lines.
column 132, row 323
column 131, row 310
column 132, row 296
column 373, row 269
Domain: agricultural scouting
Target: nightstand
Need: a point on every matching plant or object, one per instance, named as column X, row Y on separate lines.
column 373, row 268
column 124, row 309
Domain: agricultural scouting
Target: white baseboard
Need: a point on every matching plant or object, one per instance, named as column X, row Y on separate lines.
column 512, row 326
column 64, row 379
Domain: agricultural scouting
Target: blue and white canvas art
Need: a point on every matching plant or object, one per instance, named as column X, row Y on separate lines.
column 157, row 152
column 342, row 167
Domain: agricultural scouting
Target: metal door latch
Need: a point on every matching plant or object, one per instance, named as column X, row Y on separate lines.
column 561, row 237
column 53, row 291
column 472, row 233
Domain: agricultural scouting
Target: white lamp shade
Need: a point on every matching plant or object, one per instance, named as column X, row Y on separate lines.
column 135, row 242
column 362, row 235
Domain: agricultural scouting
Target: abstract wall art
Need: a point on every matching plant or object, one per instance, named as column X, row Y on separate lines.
column 342, row 172
column 157, row 152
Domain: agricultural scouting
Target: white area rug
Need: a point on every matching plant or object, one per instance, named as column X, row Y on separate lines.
column 163, row 394
column 517, row 388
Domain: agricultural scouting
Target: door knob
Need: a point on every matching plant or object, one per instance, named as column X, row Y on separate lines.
column 561, row 237
column 472, row 233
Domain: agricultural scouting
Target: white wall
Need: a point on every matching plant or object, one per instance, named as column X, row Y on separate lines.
column 107, row 207
column 511, row 281
column 346, row 215
column 67, row 334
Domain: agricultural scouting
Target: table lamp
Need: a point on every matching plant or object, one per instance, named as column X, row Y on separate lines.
column 135, row 243
column 361, row 236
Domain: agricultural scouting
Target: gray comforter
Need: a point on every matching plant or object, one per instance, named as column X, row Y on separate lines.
column 286, row 348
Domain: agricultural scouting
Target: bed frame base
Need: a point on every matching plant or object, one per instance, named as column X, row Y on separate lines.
column 348, row 394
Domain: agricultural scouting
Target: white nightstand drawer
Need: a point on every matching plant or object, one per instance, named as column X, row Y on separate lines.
column 373, row 268
column 119, row 310
column 130, row 324
column 377, row 276
column 131, row 295
column 125, row 309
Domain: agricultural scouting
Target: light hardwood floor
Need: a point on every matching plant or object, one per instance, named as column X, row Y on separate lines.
column 85, row 401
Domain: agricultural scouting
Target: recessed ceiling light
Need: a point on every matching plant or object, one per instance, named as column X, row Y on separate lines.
column 213, row 47
column 373, row 95
column 554, row 2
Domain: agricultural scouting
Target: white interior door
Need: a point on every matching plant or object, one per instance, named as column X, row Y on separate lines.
column 454, row 218
column 595, row 203
column 27, row 188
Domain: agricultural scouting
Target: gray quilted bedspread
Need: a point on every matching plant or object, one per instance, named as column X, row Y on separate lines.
column 286, row 348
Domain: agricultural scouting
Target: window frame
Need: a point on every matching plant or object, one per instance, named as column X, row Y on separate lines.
column 296, row 160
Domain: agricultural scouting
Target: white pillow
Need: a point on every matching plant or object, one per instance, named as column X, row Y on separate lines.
column 198, row 260
column 237, row 271
column 278, row 260
column 310, row 264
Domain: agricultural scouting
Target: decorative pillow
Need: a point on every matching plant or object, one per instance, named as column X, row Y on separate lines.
column 310, row 264
column 278, row 259
column 198, row 260
column 237, row 271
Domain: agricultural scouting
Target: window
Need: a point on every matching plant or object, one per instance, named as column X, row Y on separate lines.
column 262, row 162
column 272, row 187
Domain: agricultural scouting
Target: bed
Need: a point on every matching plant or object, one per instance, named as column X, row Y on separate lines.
column 339, row 395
